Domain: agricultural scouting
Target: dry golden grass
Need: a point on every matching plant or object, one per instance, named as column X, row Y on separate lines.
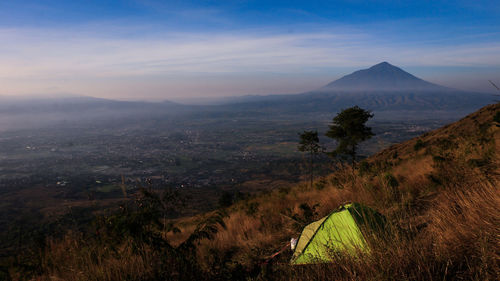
column 417, row 201
column 71, row 259
column 441, row 201
column 466, row 223
column 460, row 241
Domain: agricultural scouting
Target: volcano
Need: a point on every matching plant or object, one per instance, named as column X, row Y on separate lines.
column 382, row 77
column 382, row 88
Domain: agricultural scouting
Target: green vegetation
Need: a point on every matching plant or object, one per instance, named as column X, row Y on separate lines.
column 390, row 180
column 418, row 145
column 363, row 167
column 309, row 142
column 226, row 199
column 496, row 118
column 348, row 129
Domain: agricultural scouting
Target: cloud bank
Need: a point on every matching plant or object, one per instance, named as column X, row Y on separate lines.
column 107, row 61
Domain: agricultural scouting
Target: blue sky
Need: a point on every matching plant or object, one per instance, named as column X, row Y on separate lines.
column 147, row 49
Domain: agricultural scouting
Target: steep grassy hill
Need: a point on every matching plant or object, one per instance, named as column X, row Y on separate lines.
column 441, row 189
column 439, row 192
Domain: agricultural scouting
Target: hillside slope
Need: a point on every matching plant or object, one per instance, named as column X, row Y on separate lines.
column 442, row 187
column 475, row 140
column 439, row 193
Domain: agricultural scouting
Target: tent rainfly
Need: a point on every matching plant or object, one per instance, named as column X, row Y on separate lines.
column 341, row 231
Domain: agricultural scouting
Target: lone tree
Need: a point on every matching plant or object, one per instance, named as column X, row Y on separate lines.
column 348, row 129
column 309, row 142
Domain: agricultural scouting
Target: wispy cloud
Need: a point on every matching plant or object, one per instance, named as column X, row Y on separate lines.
column 82, row 53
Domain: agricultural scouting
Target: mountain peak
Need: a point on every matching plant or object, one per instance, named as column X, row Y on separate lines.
column 381, row 77
column 384, row 65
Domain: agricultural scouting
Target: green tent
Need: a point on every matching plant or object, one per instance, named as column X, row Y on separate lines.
column 340, row 231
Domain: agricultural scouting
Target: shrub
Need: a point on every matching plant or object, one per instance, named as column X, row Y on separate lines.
column 364, row 167
column 477, row 162
column 390, row 180
column 444, row 144
column 252, row 208
column 438, row 159
column 496, row 118
column 308, row 213
column 395, row 155
column 319, row 185
column 226, row 199
column 284, row 190
column 418, row 145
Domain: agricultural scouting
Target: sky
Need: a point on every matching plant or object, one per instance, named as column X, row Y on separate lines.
column 182, row 50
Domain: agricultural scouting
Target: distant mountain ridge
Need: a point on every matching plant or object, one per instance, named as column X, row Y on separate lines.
column 383, row 76
column 42, row 104
column 383, row 88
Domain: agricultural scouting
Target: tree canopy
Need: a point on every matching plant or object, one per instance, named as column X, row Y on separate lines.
column 349, row 129
column 309, row 142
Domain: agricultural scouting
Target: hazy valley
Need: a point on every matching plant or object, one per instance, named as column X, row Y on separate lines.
column 66, row 161
column 82, row 147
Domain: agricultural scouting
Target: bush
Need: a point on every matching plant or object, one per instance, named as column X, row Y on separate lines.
column 252, row 208
column 319, row 185
column 496, row 118
column 364, row 168
column 308, row 213
column 395, row 155
column 390, row 180
column 444, row 144
column 419, row 145
column 284, row 190
column 477, row 162
column 438, row 159
column 226, row 199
